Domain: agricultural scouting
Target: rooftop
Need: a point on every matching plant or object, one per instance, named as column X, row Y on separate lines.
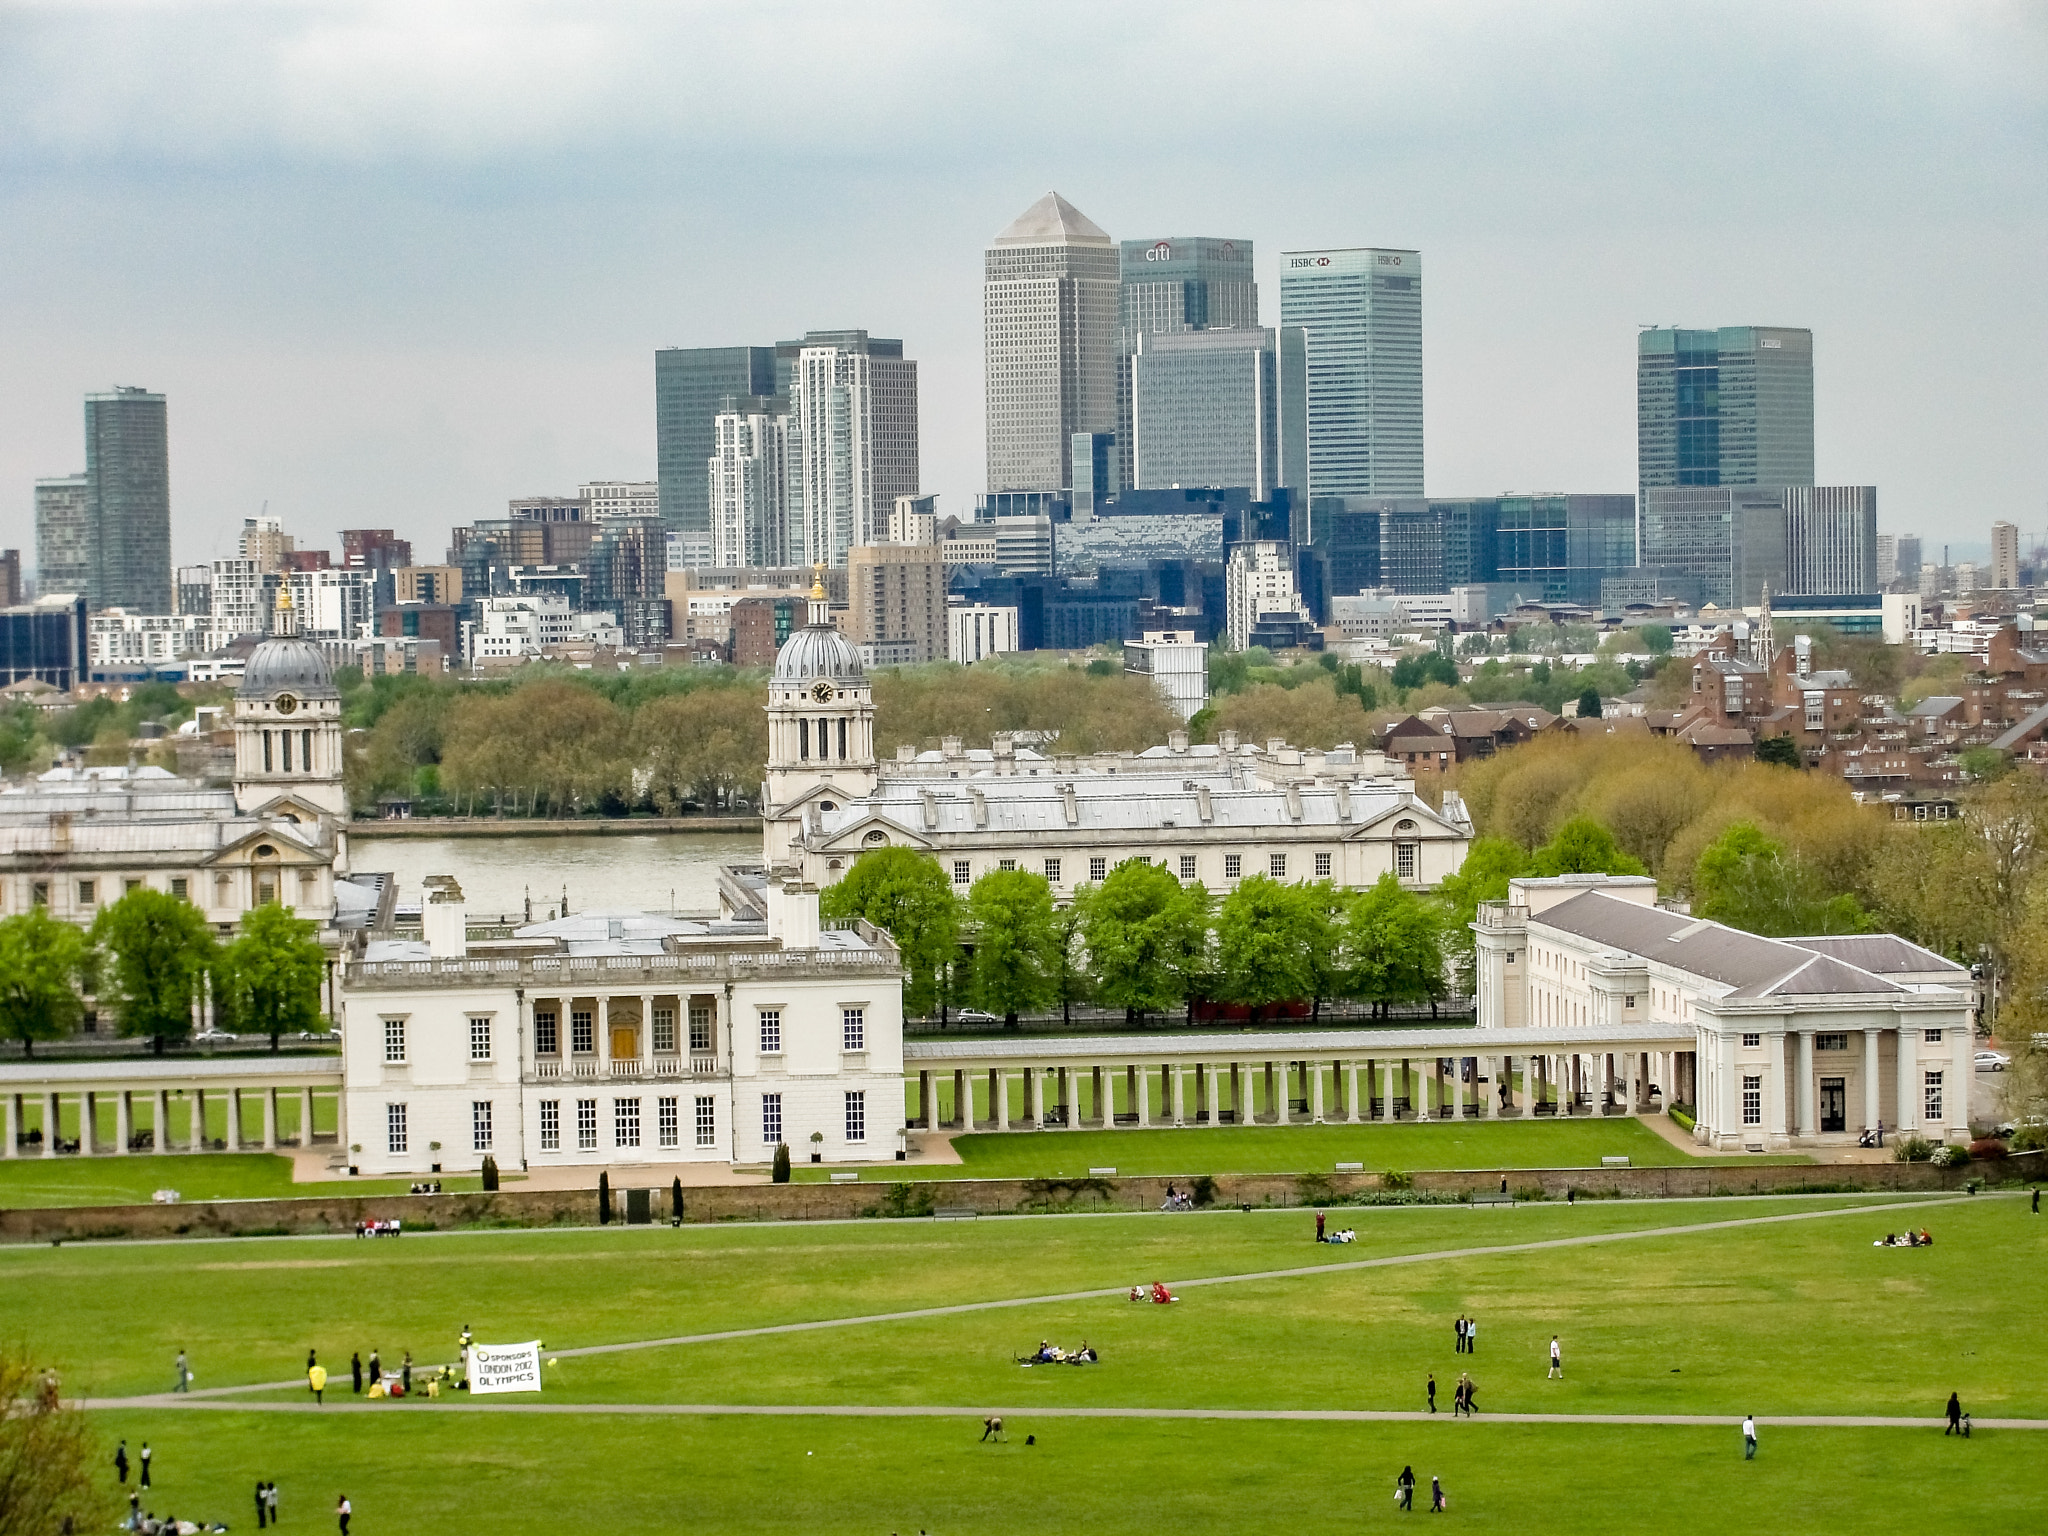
column 1052, row 220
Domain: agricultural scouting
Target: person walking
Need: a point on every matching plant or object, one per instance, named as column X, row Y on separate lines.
column 121, row 1461
column 343, row 1511
column 1404, row 1489
column 1556, row 1361
column 355, row 1371
column 312, row 1358
column 1748, row 1437
column 376, row 1367
column 2037, row 1202
column 405, row 1373
column 1458, row 1335
column 316, row 1382
column 1955, row 1416
column 262, row 1506
column 143, row 1480
column 1436, row 1494
column 1432, row 1392
column 184, row 1372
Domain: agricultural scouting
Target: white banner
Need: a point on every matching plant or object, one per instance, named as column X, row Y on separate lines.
column 504, row 1367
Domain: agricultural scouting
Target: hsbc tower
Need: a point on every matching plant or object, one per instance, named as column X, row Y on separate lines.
column 1362, row 313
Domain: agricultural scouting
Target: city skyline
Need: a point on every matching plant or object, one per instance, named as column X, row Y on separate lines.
column 457, row 363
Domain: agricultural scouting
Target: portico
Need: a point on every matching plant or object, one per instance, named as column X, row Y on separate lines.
column 253, row 1097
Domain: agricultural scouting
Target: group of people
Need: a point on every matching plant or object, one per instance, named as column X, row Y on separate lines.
column 147, row 1524
column 1467, row 1331
column 369, row 1380
column 266, row 1505
column 1906, row 1239
column 1158, row 1293
column 382, row 1228
column 1324, row 1235
column 426, row 1187
column 1177, row 1200
column 1049, row 1353
column 1404, row 1492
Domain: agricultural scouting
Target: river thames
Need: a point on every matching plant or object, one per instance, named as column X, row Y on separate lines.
column 658, row 872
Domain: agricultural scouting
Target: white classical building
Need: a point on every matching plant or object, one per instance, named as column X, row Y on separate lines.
column 1794, row 1042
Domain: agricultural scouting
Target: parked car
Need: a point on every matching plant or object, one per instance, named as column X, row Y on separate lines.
column 975, row 1016
column 1992, row 1061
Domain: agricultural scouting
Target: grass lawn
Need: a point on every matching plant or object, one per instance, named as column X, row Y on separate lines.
column 1787, row 1318
column 1296, row 1149
column 112, row 1180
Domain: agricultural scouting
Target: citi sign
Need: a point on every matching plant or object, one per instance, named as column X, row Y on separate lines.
column 1162, row 251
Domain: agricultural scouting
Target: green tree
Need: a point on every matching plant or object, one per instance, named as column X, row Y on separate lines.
column 1394, row 941
column 1986, row 763
column 267, row 982
column 1147, row 937
column 1015, row 964
column 1656, row 639
column 158, row 950
column 1589, row 704
column 906, row 894
column 1583, row 847
column 42, row 962
column 52, row 1463
column 1749, row 880
column 1781, row 750
column 778, row 1172
column 1273, row 943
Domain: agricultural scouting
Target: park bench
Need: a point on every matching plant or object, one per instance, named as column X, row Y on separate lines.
column 1752, row 1146
column 850, row 1176
column 955, row 1213
column 1101, row 1173
column 1493, row 1197
column 1351, row 1167
column 1614, row 1162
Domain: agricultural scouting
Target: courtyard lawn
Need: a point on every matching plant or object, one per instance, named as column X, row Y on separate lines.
column 1296, row 1149
column 517, row 1474
column 114, row 1180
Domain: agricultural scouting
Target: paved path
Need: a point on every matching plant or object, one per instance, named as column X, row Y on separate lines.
column 462, row 1404
column 1384, row 1261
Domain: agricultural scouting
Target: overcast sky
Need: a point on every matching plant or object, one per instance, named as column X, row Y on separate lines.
column 396, row 262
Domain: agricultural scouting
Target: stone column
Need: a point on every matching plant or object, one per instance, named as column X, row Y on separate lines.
column 1105, row 1112
column 1777, row 1111
column 1034, row 1096
column 1873, row 1099
column 1387, row 1091
column 88, row 1123
column 50, row 1121
column 10, row 1123
column 305, row 1118
column 270, row 1119
column 1908, row 1072
column 1351, row 1114
column 1489, row 1096
column 1807, row 1122
column 124, row 1122
column 1180, row 1104
column 1315, row 1098
column 1141, row 1094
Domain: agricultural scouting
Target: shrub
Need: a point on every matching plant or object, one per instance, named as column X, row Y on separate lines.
column 2028, row 1138
column 604, row 1198
column 1682, row 1116
column 675, row 1199
column 1912, row 1149
column 490, row 1172
column 905, row 1200
column 1394, row 1178
column 779, row 1174
column 1950, row 1157
column 1313, row 1189
column 1203, row 1190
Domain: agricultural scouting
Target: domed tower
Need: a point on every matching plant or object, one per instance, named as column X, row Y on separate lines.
column 821, row 727
column 288, row 723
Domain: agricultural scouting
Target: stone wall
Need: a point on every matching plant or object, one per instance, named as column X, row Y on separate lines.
column 339, row 1213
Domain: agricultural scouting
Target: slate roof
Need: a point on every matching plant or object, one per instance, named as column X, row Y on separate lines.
column 1882, row 954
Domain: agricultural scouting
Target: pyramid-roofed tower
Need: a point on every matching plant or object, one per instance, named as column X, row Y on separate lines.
column 1052, row 220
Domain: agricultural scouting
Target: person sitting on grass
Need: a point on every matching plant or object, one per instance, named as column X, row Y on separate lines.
column 1082, row 1356
column 1926, row 1238
column 1161, row 1294
column 1137, row 1293
column 1346, row 1236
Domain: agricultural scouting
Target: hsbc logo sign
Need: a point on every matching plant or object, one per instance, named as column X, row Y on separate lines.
column 1386, row 261
column 1308, row 261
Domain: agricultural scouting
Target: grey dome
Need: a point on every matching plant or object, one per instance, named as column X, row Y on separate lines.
column 287, row 664
column 818, row 651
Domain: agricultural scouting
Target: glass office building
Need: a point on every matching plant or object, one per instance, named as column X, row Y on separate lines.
column 128, row 500
column 690, row 384
column 1361, row 311
column 1220, row 408
column 1182, row 283
column 1730, row 539
column 64, row 543
column 1732, row 406
column 1556, row 549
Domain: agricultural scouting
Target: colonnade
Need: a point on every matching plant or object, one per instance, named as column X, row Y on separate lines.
column 155, row 1118
column 1049, row 1093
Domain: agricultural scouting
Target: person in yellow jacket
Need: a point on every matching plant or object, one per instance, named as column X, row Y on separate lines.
column 316, row 1378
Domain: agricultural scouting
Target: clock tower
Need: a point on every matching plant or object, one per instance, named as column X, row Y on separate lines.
column 288, row 724
column 821, row 728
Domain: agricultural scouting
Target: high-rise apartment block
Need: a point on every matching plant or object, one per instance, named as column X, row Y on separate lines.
column 377, row 549
column 897, row 603
column 621, row 498
column 690, row 383
column 2005, row 556
column 10, row 577
column 1186, row 283
column 1361, row 311
column 64, row 544
column 1261, row 603
column 264, row 541
column 1049, row 324
column 1830, row 541
column 1220, row 408
column 128, row 470
column 1732, row 406
column 749, row 484
column 852, row 440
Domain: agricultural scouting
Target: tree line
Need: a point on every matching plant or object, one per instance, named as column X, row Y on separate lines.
column 153, row 961
column 1142, row 941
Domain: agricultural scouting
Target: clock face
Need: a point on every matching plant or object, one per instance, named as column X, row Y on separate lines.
column 822, row 692
column 286, row 704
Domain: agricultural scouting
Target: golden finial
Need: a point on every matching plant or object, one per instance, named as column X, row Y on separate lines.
column 818, row 582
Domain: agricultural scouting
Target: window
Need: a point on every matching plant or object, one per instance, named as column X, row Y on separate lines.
column 1404, row 860
column 1187, row 866
column 1323, row 866
column 1233, row 865
column 1831, row 1042
column 551, row 1125
column 664, row 1029
column 857, row 1117
column 707, row 1121
column 771, row 1118
column 668, row 1126
column 1006, row 863
column 39, row 893
column 1276, row 865
column 480, row 1125
column 586, row 1125
column 394, row 1127
column 128, row 885
column 582, row 1034
column 1052, row 871
column 1752, row 1040
column 1628, row 1001
column 700, row 1027
column 180, row 887
column 394, row 1039
column 547, row 1039
column 1933, row 1097
column 1752, row 1101
column 771, row 1031
column 1931, row 1036
column 853, row 1029
column 963, row 872
column 1511, row 957
column 1098, row 869
column 86, row 893
column 479, row 1039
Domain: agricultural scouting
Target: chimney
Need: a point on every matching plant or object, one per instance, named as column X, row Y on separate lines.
column 906, row 753
column 445, row 920
column 1275, row 745
column 1072, row 805
column 793, row 914
column 980, row 807
column 950, row 745
column 1005, row 744
column 1227, row 740
column 1177, row 741
column 930, row 802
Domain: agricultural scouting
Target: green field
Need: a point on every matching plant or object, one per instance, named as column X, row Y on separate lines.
column 111, row 1180
column 1793, row 1317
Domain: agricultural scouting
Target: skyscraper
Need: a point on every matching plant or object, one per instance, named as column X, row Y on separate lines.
column 1830, row 540
column 1732, row 406
column 64, row 546
column 126, row 536
column 1219, row 408
column 1362, row 313
column 1049, row 317
column 1731, row 539
column 689, row 384
column 749, row 485
column 2005, row 556
column 852, row 440
column 1187, row 283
